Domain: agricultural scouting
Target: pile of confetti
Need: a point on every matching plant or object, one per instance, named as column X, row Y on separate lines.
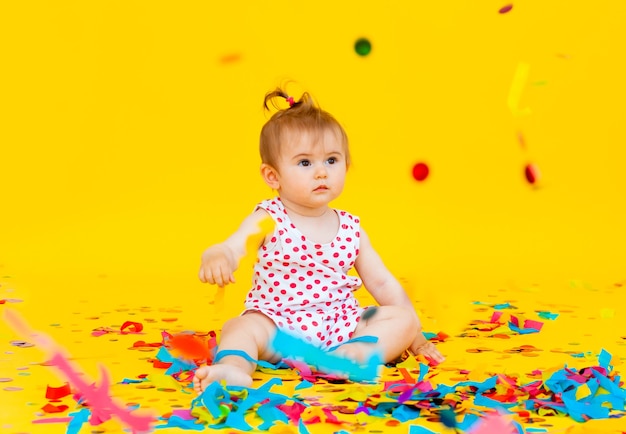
column 301, row 393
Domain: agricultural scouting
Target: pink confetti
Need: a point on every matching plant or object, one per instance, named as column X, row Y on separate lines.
column 98, row 398
column 532, row 324
column 53, row 420
column 505, row 9
column 493, row 423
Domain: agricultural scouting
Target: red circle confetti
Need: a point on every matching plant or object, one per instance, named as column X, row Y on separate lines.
column 420, row 171
column 505, row 9
column 532, row 173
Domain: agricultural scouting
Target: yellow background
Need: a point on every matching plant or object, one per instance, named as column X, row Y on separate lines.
column 129, row 132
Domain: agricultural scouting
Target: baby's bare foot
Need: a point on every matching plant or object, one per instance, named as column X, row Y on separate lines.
column 232, row 375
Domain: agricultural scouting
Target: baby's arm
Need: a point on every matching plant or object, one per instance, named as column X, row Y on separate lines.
column 387, row 291
column 220, row 261
column 378, row 280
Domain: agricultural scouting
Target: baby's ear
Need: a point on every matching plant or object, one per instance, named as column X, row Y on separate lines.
column 270, row 176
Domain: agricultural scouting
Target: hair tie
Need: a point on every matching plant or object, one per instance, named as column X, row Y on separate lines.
column 290, row 101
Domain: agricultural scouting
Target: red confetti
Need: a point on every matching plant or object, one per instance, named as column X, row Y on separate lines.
column 49, row 408
column 161, row 365
column 505, row 9
column 133, row 327
column 58, row 392
column 532, row 173
column 191, row 347
column 420, row 171
column 142, row 344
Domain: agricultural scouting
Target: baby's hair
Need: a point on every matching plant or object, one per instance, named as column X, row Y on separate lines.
column 302, row 116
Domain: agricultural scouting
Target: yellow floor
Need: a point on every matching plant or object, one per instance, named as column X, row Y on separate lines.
column 590, row 318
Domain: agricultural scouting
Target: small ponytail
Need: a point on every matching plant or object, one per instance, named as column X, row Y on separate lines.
column 281, row 94
column 302, row 115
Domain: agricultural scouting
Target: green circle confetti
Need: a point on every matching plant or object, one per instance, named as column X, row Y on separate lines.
column 363, row 47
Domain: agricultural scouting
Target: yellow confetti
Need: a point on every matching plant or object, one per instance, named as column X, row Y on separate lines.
column 162, row 381
column 607, row 313
column 517, row 87
column 409, row 363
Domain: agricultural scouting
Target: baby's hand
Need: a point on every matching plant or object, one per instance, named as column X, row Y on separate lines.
column 218, row 266
column 426, row 348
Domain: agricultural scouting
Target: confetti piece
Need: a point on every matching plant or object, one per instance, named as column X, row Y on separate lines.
column 53, row 420
column 49, row 408
column 363, row 47
column 414, row 429
column 607, row 313
column 493, row 423
column 191, row 347
column 505, row 9
column 58, row 392
column 547, row 315
column 131, row 327
column 230, row 58
column 531, row 173
column 516, row 89
column 293, row 348
column 448, row 418
column 12, row 389
column 420, row 171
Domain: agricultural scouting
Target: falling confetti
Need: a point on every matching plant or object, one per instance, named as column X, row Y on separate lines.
column 420, row 171
column 505, row 9
column 531, row 172
column 517, row 87
column 363, row 47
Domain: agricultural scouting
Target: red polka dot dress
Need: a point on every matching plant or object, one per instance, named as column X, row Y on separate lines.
column 304, row 287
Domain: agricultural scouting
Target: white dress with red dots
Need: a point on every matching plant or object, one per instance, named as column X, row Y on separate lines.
column 304, row 287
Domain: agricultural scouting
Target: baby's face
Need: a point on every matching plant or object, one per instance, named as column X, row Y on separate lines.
column 311, row 170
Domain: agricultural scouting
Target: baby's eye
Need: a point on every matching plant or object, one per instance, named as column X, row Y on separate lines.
column 331, row 160
column 304, row 163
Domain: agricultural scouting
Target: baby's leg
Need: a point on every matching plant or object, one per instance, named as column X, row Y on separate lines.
column 396, row 327
column 250, row 333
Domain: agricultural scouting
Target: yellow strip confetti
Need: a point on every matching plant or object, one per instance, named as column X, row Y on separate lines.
column 517, row 87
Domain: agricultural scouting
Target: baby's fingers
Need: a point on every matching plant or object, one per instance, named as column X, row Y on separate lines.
column 223, row 275
column 430, row 351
